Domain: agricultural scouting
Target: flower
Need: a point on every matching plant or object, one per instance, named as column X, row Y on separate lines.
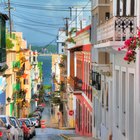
column 131, row 45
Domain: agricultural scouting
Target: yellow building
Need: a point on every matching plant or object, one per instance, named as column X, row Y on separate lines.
column 18, row 77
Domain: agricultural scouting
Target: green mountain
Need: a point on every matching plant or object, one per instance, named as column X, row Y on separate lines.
column 45, row 49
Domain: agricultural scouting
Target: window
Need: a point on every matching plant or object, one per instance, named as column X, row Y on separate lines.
column 25, row 81
column 63, row 44
column 117, row 97
column 107, row 15
column 34, row 58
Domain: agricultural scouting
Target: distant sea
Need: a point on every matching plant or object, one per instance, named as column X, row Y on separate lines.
column 47, row 65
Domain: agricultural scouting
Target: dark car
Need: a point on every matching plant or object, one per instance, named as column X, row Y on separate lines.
column 25, row 129
column 30, row 125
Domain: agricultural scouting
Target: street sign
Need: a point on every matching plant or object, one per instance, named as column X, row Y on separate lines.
column 71, row 112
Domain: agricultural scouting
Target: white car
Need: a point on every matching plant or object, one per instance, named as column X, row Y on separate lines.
column 16, row 124
column 34, row 121
column 9, row 124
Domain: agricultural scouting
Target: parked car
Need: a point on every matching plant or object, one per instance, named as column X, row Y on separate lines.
column 25, row 129
column 10, row 126
column 4, row 132
column 16, row 124
column 35, row 121
column 38, row 112
column 30, row 126
column 37, row 116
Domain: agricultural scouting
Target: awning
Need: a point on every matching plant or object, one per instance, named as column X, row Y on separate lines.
column 84, row 47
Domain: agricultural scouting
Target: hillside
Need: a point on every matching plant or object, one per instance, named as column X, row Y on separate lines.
column 45, row 49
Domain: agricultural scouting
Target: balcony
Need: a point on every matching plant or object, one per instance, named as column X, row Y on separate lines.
column 115, row 29
column 9, row 71
column 20, row 73
column 76, row 85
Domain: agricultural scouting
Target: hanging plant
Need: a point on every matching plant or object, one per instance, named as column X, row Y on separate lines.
column 71, row 40
column 8, row 99
column 9, row 44
column 130, row 45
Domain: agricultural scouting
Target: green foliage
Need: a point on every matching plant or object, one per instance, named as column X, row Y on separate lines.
column 47, row 87
column 9, row 44
column 49, row 48
column 64, row 57
column 40, row 68
column 30, row 115
column 56, row 100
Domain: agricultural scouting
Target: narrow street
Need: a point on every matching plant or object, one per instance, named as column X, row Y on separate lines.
column 49, row 133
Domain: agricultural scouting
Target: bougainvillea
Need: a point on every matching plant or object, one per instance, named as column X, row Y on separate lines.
column 130, row 45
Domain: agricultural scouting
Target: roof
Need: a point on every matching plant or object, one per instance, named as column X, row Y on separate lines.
column 85, row 47
column 83, row 30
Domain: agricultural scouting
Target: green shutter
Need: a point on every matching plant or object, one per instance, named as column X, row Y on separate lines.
column 11, row 108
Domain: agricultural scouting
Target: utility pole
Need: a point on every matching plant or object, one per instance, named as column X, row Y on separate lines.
column 67, row 25
column 70, row 13
column 9, row 14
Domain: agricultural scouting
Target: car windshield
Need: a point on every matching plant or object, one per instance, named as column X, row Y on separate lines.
column 32, row 119
column 20, row 123
column 17, row 122
column 27, row 122
column 14, row 123
column 3, row 119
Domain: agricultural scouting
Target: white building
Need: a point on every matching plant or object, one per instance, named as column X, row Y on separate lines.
column 116, row 105
column 61, row 40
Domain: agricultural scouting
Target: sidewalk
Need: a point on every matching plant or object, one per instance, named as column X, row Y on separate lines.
column 76, row 137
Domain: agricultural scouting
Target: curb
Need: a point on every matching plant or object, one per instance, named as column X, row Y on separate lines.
column 66, row 137
column 66, row 128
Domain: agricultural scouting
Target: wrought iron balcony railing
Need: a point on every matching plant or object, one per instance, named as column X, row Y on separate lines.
column 116, row 29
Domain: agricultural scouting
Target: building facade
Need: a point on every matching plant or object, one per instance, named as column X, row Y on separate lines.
column 114, row 102
column 79, row 81
column 61, row 41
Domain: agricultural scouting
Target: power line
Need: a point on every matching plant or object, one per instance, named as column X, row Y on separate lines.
column 34, row 29
column 75, row 17
column 30, row 20
column 44, row 8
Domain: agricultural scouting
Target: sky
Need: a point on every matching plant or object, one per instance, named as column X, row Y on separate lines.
column 40, row 20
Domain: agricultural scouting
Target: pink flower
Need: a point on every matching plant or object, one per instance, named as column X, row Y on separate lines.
column 126, row 58
column 128, row 42
column 138, row 34
column 119, row 49
column 130, row 52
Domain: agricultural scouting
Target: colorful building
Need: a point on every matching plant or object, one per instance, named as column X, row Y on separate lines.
column 114, row 97
column 80, row 66
column 18, row 76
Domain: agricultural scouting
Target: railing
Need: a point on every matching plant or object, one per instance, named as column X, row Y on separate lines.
column 116, row 29
column 74, row 83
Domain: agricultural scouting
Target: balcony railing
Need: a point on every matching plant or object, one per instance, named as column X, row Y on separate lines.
column 74, row 84
column 116, row 29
